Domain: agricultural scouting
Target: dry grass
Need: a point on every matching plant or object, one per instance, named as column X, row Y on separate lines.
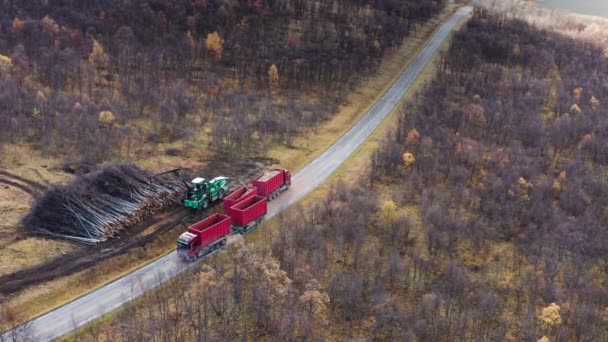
column 28, row 163
column 15, row 251
column 29, row 252
column 14, row 203
column 193, row 154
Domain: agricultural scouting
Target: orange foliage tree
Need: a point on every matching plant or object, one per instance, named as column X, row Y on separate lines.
column 215, row 43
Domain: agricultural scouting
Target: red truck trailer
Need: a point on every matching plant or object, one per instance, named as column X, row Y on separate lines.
column 247, row 214
column 203, row 237
column 272, row 182
column 238, row 196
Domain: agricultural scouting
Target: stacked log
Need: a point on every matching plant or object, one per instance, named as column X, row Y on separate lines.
column 101, row 204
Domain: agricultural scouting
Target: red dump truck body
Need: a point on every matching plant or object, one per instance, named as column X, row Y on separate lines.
column 272, row 181
column 249, row 210
column 203, row 237
column 238, row 196
column 211, row 229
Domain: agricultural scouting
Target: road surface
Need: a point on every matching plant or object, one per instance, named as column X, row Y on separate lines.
column 64, row 319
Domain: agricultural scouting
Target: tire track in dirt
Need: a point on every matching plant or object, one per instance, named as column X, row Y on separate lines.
column 30, row 183
column 18, row 186
column 89, row 256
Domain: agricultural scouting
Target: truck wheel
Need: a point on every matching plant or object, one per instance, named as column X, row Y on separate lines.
column 288, row 185
column 205, row 204
column 221, row 194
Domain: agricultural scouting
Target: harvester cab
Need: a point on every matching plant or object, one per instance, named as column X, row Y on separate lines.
column 202, row 192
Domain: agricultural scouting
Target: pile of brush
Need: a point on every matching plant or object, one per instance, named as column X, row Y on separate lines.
column 97, row 206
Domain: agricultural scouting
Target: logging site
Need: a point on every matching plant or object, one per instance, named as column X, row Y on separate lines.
column 303, row 170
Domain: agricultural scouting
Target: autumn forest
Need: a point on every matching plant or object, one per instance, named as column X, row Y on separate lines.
column 478, row 212
column 102, row 79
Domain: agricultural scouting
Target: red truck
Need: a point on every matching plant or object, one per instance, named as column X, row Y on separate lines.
column 244, row 209
column 247, row 214
column 238, row 196
column 272, row 182
column 203, row 237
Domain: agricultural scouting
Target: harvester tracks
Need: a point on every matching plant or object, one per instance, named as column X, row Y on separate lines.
column 91, row 255
column 18, row 186
column 10, row 177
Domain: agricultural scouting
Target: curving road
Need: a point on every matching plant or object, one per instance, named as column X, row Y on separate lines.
column 105, row 299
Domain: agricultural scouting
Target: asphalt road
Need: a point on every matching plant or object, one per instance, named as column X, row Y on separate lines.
column 64, row 319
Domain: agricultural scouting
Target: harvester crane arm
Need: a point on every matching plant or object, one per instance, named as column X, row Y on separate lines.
column 176, row 172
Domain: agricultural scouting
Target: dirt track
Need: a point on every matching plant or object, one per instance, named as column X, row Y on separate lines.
column 18, row 186
column 26, row 185
column 134, row 237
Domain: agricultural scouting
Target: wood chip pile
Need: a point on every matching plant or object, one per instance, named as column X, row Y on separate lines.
column 97, row 206
column 268, row 174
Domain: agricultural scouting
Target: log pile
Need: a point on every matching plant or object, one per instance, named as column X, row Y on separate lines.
column 97, row 206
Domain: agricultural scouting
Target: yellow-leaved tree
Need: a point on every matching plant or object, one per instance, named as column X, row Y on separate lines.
column 6, row 64
column 106, row 117
column 215, row 43
column 273, row 76
column 550, row 315
column 98, row 57
column 575, row 109
column 314, row 302
column 408, row 159
column 51, row 24
column 389, row 211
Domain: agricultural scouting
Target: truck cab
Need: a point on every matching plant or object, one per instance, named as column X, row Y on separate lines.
column 187, row 246
column 203, row 237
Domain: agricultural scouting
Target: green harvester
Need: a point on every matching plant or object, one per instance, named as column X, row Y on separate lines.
column 202, row 192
